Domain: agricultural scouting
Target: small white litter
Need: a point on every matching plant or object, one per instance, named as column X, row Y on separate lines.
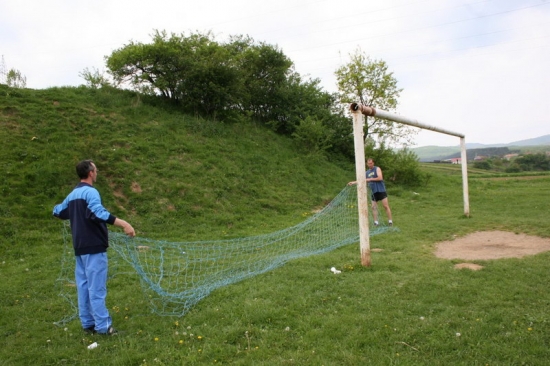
column 335, row 271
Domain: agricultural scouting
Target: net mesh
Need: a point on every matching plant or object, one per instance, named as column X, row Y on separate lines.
column 177, row 275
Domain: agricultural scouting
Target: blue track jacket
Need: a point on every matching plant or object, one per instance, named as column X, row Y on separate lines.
column 88, row 219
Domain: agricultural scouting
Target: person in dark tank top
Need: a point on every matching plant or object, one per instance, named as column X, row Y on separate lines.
column 375, row 180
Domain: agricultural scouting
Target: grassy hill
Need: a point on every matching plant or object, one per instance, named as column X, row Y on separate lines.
column 178, row 177
column 172, row 175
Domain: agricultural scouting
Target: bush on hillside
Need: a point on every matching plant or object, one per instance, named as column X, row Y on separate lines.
column 400, row 168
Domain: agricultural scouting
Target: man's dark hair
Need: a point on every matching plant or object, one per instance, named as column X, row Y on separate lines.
column 84, row 168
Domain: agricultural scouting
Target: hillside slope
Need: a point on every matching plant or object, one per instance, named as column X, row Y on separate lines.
column 173, row 176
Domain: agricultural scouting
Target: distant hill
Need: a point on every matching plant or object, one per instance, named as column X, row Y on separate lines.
column 431, row 153
column 542, row 140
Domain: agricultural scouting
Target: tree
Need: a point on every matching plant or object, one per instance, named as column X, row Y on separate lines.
column 16, row 79
column 264, row 72
column 368, row 82
column 400, row 167
column 312, row 135
column 151, row 68
column 533, row 162
column 12, row 77
column 483, row 164
column 94, row 78
column 194, row 71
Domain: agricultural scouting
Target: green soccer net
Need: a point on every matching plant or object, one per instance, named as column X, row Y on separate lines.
column 176, row 275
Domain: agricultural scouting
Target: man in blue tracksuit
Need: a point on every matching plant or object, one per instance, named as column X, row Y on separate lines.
column 89, row 221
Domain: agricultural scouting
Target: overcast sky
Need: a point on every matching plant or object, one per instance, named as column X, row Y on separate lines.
column 480, row 68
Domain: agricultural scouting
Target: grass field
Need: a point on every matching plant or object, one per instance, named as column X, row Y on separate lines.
column 210, row 181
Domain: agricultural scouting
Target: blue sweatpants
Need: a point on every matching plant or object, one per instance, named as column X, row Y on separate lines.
column 91, row 284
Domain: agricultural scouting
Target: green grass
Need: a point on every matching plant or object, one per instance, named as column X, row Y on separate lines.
column 177, row 177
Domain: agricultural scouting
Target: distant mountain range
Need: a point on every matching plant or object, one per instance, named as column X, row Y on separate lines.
column 431, row 153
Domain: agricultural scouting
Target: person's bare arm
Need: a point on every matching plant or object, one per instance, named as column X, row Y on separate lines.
column 128, row 229
column 379, row 176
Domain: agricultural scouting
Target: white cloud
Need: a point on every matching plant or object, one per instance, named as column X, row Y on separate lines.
column 476, row 67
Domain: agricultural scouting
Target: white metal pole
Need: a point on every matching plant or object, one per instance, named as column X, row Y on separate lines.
column 362, row 201
column 370, row 111
column 464, row 162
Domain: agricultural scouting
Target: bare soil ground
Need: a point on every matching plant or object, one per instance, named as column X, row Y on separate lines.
column 486, row 245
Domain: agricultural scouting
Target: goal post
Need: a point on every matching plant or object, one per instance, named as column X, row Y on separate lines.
column 362, row 200
column 358, row 111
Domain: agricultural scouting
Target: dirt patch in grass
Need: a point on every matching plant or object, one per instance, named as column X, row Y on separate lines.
column 486, row 245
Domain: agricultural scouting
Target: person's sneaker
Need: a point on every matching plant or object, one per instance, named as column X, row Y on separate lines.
column 110, row 331
column 390, row 223
column 90, row 330
column 376, row 223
